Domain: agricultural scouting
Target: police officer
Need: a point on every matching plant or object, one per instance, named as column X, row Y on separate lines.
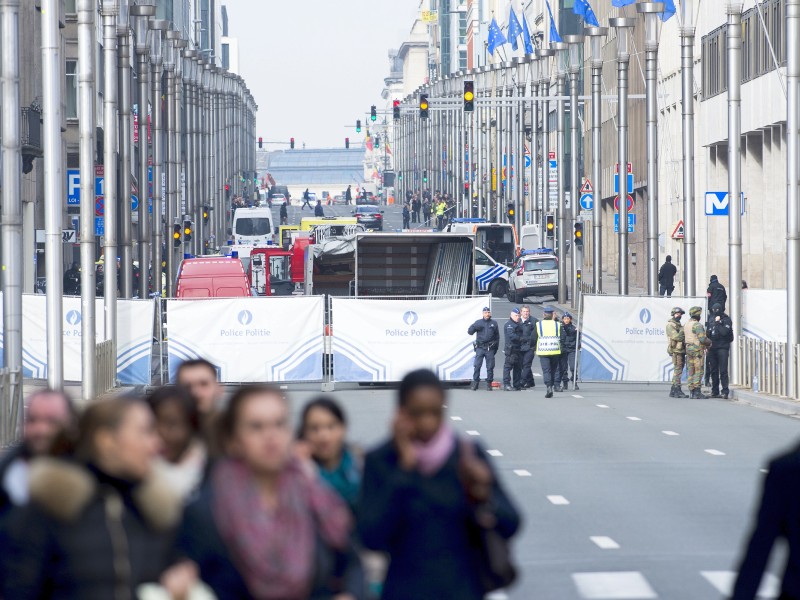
column 512, row 368
column 548, row 348
column 721, row 334
column 677, row 350
column 569, row 344
column 696, row 345
column 527, row 347
column 487, row 340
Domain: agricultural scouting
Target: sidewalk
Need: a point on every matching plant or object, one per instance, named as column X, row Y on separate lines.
column 784, row 406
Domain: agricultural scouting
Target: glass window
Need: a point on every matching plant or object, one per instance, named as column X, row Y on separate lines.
column 70, row 8
column 279, row 268
column 481, row 259
column 539, row 264
column 253, row 226
column 72, row 89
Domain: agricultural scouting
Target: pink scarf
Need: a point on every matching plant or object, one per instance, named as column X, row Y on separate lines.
column 274, row 550
column 432, row 455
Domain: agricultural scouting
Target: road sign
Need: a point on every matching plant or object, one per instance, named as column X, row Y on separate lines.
column 99, row 206
column 587, row 188
column 631, row 222
column 587, row 201
column 630, row 168
column 630, row 183
column 99, row 226
column 630, row 203
column 527, row 161
column 717, row 204
column 677, row 233
column 134, row 203
column 74, row 185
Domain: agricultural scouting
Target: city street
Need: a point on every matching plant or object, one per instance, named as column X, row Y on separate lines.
column 626, row 493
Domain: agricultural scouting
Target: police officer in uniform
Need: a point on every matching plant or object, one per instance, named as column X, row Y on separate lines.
column 512, row 368
column 487, row 340
column 696, row 345
column 527, row 347
column 677, row 350
column 720, row 332
column 548, row 348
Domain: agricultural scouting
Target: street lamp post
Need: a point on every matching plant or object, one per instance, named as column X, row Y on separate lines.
column 519, row 171
column 125, row 142
column 623, row 25
column 793, row 185
column 534, row 187
column 159, row 28
column 170, row 248
column 575, row 43
column 562, row 58
column 544, row 56
column 687, row 108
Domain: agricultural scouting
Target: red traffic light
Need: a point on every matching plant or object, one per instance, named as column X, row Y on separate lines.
column 291, row 143
column 260, row 143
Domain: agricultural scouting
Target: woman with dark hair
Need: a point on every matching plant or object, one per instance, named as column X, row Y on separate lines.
column 419, row 495
column 183, row 453
column 99, row 524
column 264, row 526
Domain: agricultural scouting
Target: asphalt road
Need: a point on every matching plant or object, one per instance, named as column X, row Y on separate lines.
column 393, row 215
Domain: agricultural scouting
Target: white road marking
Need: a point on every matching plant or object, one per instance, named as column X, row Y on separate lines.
column 764, row 470
column 670, row 433
column 538, row 374
column 472, row 432
column 633, row 418
column 622, row 585
column 558, row 500
column 576, row 396
column 522, row 473
column 723, row 582
column 604, row 542
column 494, row 453
column 713, row 452
column 497, row 596
column 456, row 419
column 602, row 405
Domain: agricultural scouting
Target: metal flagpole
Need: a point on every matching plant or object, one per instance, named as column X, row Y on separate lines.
column 159, row 27
column 596, row 34
column 125, row 209
column 575, row 43
column 622, row 25
column 650, row 10
column 734, row 36
column 170, row 248
column 792, row 186
column 534, row 186
column 544, row 88
column 561, row 50
column 687, row 107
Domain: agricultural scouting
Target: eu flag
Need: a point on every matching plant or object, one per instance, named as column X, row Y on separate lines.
column 496, row 37
column 669, row 10
column 584, row 9
column 514, row 29
column 526, row 36
column 554, row 37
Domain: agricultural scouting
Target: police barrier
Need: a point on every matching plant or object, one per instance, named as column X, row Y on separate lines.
column 249, row 339
column 378, row 340
column 623, row 338
column 135, row 341
column 763, row 314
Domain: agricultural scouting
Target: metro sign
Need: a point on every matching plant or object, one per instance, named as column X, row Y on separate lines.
column 717, row 204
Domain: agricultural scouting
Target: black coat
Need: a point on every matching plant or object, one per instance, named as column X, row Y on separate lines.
column 513, row 335
column 67, row 543
column 529, row 335
column 666, row 275
column 716, row 294
column 720, row 332
column 488, row 333
column 569, row 338
column 318, row 211
column 420, row 522
column 778, row 517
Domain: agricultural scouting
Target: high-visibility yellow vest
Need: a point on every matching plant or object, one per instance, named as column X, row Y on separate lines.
column 549, row 343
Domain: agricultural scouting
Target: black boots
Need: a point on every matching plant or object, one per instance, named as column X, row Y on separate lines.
column 698, row 395
column 677, row 392
column 549, row 393
column 474, row 386
column 488, row 386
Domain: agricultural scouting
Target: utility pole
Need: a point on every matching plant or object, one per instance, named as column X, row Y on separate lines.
column 596, row 34
column 687, row 107
column 792, row 186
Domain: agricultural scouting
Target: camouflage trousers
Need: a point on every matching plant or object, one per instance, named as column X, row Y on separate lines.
column 694, row 363
column 677, row 366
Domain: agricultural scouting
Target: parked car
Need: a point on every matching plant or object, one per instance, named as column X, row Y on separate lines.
column 339, row 199
column 371, row 217
column 535, row 273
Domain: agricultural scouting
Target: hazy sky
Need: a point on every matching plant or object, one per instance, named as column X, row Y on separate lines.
column 315, row 66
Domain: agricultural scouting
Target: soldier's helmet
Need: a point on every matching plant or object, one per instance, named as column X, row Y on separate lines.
column 677, row 309
column 695, row 311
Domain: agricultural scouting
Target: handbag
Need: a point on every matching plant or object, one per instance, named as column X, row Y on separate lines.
column 493, row 560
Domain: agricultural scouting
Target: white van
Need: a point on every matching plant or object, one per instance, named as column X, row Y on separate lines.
column 253, row 226
column 490, row 275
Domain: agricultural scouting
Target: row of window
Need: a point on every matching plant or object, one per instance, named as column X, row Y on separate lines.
column 762, row 26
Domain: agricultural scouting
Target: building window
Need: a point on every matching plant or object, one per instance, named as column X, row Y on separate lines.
column 70, row 8
column 72, row 89
column 226, row 56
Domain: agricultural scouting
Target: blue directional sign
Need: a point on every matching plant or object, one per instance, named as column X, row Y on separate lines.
column 134, row 203
column 99, row 226
column 717, row 204
column 587, row 201
column 74, row 187
column 631, row 222
column 616, row 183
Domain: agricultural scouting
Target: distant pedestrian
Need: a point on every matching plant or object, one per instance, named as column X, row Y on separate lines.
column 666, row 277
column 318, row 210
column 423, row 489
column 348, row 195
column 487, row 340
column 440, row 210
column 744, row 284
column 569, row 346
column 548, row 349
column 284, row 214
column 527, row 347
column 696, row 345
column 778, row 517
column 512, row 366
column 426, row 213
column 306, row 200
column 406, row 217
column 720, row 332
column 676, row 348
column 416, row 206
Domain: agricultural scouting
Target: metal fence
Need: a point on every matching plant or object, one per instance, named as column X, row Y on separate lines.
column 106, row 374
column 763, row 366
column 11, row 398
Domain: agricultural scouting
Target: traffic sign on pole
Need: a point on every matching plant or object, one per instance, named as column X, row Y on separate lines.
column 587, row 201
column 587, row 188
column 630, row 203
column 677, row 233
column 631, row 222
column 630, row 183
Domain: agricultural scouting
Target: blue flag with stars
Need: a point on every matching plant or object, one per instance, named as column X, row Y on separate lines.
column 526, row 36
column 582, row 8
column 621, row 3
column 669, row 10
column 514, row 29
column 554, row 37
column 496, row 37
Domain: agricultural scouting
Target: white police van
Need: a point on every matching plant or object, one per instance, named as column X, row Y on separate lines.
column 490, row 275
column 535, row 273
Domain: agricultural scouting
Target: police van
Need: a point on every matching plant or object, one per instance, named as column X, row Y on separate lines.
column 490, row 276
column 535, row 273
column 499, row 240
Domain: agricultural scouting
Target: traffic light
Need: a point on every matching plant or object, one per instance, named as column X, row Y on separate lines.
column 291, row 143
column 358, row 126
column 377, row 141
column 578, row 234
column 206, row 214
column 469, row 96
column 396, row 110
column 400, row 175
column 373, row 114
column 187, row 230
column 423, row 106
column 176, row 235
column 347, row 142
column 510, row 212
column 550, row 225
column 425, row 176
column 227, row 191
column 260, row 143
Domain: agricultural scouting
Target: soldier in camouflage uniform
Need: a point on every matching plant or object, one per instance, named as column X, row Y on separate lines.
column 677, row 350
column 696, row 345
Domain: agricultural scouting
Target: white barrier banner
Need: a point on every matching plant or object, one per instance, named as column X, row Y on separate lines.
column 624, row 338
column 762, row 314
column 382, row 340
column 135, row 341
column 249, row 339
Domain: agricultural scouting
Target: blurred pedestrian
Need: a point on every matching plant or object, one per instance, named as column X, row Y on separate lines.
column 184, row 457
column 527, row 347
column 99, row 523
column 318, row 210
column 406, row 217
column 199, row 376
column 284, row 214
column 512, row 365
column 777, row 517
column 264, row 526
column 569, row 345
column 487, row 341
column 47, row 414
column 348, row 195
column 306, row 200
column 548, row 349
column 666, row 277
column 419, row 498
column 426, row 213
column 416, row 206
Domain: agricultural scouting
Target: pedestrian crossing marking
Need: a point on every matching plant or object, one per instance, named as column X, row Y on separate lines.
column 633, row 418
column 723, row 582
column 622, row 585
column 456, row 419
column 558, row 500
column 713, row 452
column 522, row 473
column 494, row 453
column 472, row 432
column 670, row 433
column 604, row 542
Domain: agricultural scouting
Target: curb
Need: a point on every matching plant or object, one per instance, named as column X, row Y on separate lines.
column 774, row 404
